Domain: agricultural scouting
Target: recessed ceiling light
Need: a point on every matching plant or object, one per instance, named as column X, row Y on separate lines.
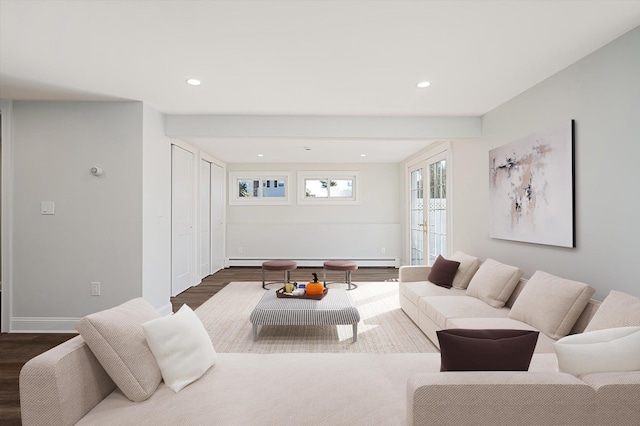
column 260, row 155
column 194, row 82
column 423, row 84
column 363, row 155
column 306, row 148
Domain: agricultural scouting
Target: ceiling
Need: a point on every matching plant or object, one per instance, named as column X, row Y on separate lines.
column 335, row 58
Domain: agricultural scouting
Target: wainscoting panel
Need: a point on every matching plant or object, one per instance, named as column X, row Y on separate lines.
column 310, row 244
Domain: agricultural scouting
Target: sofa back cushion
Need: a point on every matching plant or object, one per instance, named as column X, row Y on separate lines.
column 486, row 350
column 551, row 304
column 494, row 282
column 586, row 316
column 618, row 309
column 116, row 338
column 468, row 267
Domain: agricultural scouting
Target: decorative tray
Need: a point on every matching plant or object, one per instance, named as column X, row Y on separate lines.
column 280, row 293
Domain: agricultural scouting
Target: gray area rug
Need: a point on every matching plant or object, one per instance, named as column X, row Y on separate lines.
column 383, row 328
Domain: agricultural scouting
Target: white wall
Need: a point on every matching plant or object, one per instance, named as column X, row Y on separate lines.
column 317, row 232
column 602, row 94
column 156, row 211
column 96, row 232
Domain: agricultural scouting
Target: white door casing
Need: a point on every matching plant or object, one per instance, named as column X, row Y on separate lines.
column 182, row 221
column 205, row 219
column 217, row 217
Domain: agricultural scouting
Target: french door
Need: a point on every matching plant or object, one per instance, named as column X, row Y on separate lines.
column 428, row 224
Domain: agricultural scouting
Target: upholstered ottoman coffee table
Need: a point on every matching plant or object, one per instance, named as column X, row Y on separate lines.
column 333, row 309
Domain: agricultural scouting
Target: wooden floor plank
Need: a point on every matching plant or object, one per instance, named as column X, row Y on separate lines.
column 17, row 348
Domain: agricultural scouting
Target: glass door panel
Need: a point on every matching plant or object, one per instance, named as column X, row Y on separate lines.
column 416, row 234
column 437, row 212
column 428, row 210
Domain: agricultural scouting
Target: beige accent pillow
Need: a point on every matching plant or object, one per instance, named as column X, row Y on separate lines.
column 468, row 267
column 551, row 304
column 494, row 282
column 116, row 338
column 616, row 310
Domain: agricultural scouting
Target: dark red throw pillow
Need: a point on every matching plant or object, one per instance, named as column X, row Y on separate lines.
column 486, row 350
column 443, row 271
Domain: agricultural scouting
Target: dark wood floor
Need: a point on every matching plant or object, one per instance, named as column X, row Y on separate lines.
column 195, row 296
column 17, row 348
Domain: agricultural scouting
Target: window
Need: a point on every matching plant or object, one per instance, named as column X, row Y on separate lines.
column 259, row 188
column 327, row 188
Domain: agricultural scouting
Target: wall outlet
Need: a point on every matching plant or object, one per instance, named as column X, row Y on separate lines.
column 240, row 251
column 95, row 288
column 383, row 250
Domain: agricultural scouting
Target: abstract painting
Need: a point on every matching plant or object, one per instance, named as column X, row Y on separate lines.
column 531, row 188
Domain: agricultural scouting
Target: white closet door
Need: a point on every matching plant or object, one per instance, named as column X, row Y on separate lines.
column 217, row 217
column 182, row 201
column 205, row 218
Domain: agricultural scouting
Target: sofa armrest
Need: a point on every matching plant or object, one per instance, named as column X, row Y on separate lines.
column 414, row 273
column 617, row 394
column 61, row 385
column 499, row 397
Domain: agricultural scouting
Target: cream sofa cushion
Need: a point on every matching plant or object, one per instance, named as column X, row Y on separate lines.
column 551, row 304
column 612, row 349
column 182, row 347
column 494, row 282
column 617, row 310
column 468, row 267
column 440, row 309
column 414, row 290
column 116, row 339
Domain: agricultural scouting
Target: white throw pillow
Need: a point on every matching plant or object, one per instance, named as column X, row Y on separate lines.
column 468, row 267
column 612, row 349
column 494, row 282
column 182, row 347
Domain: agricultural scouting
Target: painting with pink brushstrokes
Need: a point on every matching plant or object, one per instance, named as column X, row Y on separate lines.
column 531, row 188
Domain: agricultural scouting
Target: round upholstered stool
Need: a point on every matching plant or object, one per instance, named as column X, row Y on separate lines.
column 345, row 266
column 278, row 265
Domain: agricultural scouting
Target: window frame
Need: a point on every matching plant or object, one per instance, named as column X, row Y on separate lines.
column 303, row 176
column 237, row 176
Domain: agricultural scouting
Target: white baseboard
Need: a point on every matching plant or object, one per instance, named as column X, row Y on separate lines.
column 380, row 263
column 57, row 324
column 166, row 310
column 43, row 325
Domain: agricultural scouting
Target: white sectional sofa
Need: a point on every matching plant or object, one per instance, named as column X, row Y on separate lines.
column 434, row 308
column 550, row 305
column 69, row 385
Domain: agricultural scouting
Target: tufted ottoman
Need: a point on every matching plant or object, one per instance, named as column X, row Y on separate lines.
column 278, row 265
column 335, row 308
column 345, row 266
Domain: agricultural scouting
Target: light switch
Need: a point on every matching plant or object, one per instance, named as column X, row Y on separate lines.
column 47, row 207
